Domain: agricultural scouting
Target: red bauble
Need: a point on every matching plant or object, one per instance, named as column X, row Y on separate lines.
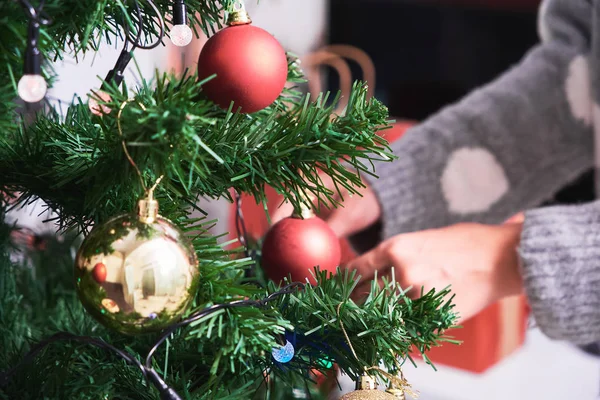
column 250, row 64
column 294, row 246
column 99, row 273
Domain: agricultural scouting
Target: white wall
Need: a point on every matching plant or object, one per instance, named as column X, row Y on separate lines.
column 79, row 77
column 300, row 26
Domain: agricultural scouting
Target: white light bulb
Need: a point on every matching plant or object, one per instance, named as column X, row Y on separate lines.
column 181, row 35
column 94, row 103
column 32, row 88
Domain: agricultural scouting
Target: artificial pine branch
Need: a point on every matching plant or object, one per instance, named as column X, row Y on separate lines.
column 80, row 25
column 202, row 151
column 386, row 327
column 222, row 356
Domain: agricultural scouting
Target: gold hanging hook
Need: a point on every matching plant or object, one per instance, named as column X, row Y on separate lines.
column 238, row 15
column 148, row 207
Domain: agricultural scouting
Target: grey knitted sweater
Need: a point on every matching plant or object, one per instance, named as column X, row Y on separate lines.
column 508, row 147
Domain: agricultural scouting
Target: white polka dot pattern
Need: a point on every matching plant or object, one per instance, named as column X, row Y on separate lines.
column 578, row 90
column 473, row 181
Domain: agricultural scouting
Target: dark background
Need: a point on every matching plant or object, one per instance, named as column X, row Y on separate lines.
column 431, row 53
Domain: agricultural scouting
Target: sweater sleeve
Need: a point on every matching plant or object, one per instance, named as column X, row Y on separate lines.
column 560, row 255
column 506, row 147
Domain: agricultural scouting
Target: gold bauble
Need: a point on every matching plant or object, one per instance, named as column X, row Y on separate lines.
column 366, row 390
column 368, row 395
column 136, row 273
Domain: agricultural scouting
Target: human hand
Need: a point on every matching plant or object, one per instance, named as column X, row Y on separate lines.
column 357, row 213
column 479, row 262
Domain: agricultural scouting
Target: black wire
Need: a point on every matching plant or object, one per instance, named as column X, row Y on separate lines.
column 62, row 336
column 32, row 60
column 147, row 370
column 137, row 40
column 127, row 30
column 214, row 308
column 115, row 75
column 29, row 8
column 161, row 24
column 36, row 15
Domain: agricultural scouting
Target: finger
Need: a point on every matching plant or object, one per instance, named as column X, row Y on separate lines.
column 413, row 279
column 375, row 260
column 364, row 288
column 516, row 219
column 355, row 214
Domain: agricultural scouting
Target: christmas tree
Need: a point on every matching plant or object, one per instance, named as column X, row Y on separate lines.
column 159, row 307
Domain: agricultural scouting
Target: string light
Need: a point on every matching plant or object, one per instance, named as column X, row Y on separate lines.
column 32, row 86
column 165, row 391
column 98, row 99
column 181, row 33
column 114, row 76
column 284, row 354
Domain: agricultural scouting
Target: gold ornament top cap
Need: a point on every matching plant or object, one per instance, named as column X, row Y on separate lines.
column 238, row 17
column 366, row 382
column 148, row 210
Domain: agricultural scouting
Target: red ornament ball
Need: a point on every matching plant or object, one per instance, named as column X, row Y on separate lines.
column 250, row 64
column 99, row 273
column 294, row 246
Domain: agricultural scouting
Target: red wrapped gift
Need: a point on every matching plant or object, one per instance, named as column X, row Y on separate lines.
column 487, row 338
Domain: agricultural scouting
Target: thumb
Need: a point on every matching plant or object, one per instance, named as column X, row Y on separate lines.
column 355, row 214
column 377, row 260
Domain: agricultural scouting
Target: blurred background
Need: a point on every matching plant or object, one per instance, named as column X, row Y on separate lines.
column 426, row 54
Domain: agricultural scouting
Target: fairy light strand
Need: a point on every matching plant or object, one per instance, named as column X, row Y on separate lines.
column 166, row 392
column 181, row 34
column 116, row 75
